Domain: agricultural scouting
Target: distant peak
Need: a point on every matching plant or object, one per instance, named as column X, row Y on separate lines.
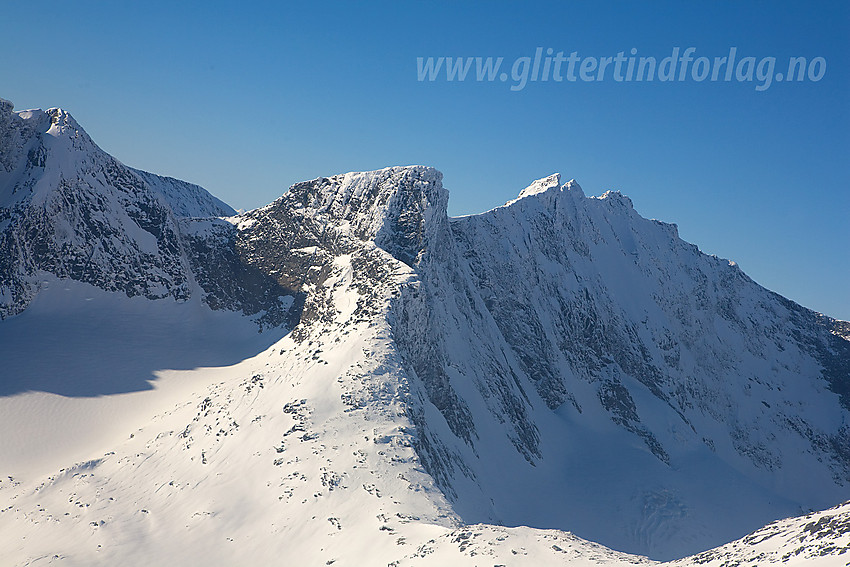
column 573, row 187
column 541, row 185
column 549, row 188
column 53, row 121
column 62, row 122
column 50, row 145
column 617, row 198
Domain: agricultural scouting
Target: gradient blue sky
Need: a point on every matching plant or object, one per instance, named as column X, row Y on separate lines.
column 248, row 100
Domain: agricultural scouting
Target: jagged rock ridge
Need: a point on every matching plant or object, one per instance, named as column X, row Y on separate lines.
column 559, row 362
column 69, row 209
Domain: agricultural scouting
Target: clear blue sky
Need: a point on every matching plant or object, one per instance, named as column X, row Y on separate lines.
column 247, row 101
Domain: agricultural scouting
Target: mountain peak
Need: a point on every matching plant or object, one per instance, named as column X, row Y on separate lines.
column 39, row 147
column 95, row 220
column 62, row 122
column 53, row 121
column 396, row 206
column 542, row 185
column 617, row 198
column 560, row 363
column 573, row 187
column 354, row 192
column 549, row 189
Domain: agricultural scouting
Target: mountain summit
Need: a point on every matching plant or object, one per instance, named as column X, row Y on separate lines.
column 70, row 209
column 500, row 387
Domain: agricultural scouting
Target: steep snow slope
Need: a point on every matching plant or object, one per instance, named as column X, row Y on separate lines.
column 302, row 454
column 258, row 464
column 558, row 363
column 600, row 375
column 185, row 199
column 818, row 538
column 592, row 371
column 68, row 208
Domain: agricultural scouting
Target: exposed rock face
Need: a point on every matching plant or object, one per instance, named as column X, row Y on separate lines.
column 559, row 362
column 815, row 537
column 69, row 209
column 579, row 308
column 576, row 307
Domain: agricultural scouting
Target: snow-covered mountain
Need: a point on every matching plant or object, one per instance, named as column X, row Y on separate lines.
column 658, row 388
column 69, row 209
column 425, row 390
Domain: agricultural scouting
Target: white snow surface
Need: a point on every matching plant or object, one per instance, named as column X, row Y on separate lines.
column 497, row 389
column 69, row 152
column 256, row 463
column 69, row 208
column 721, row 453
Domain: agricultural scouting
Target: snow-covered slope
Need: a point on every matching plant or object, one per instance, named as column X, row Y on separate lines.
column 598, row 374
column 556, row 365
column 69, row 209
column 818, row 538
